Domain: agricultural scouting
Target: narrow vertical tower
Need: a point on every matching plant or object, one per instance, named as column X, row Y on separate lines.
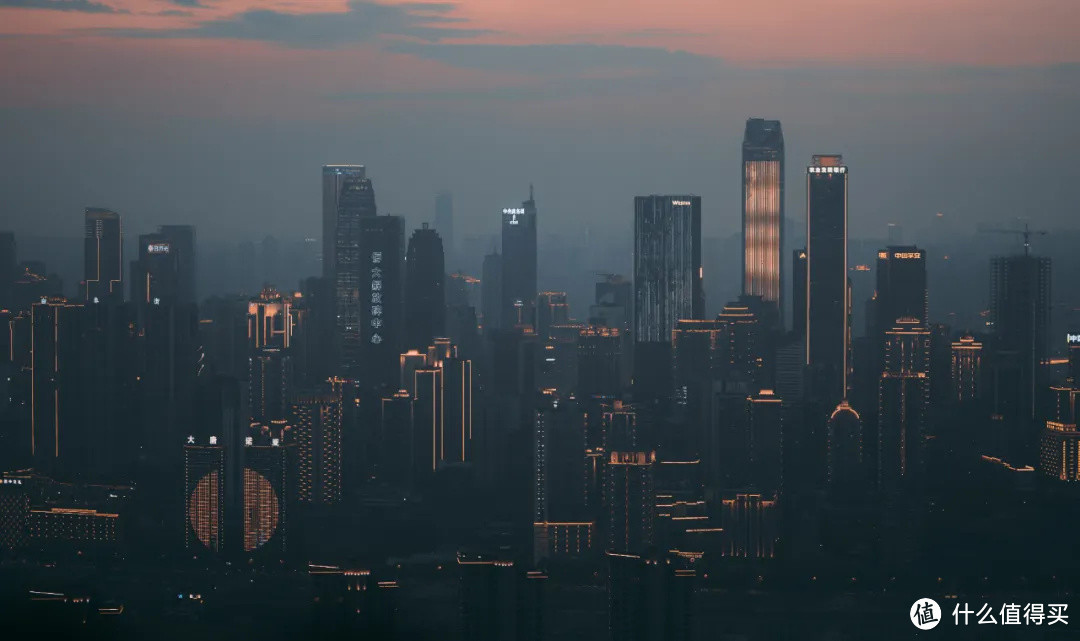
column 763, row 211
column 828, row 329
column 518, row 300
column 103, row 257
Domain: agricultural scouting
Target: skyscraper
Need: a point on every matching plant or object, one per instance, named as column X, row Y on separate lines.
column 1020, row 298
column 518, row 298
column 1059, row 456
column 798, row 292
column 766, row 427
column 333, row 179
column 828, row 307
column 351, row 270
column 425, row 293
column 204, row 495
column 903, row 405
column 444, row 223
column 268, row 497
column 103, row 257
column 8, row 269
column 491, row 291
column 901, row 288
column 667, row 282
column 967, row 360
column 763, row 210
column 845, row 451
column 164, row 273
column 182, row 239
column 630, row 501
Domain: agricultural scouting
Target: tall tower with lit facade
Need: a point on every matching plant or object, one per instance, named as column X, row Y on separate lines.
column 903, row 404
column 630, row 501
column 355, row 204
column 269, row 492
column 333, row 179
column 667, row 282
column 828, row 305
column 518, row 299
column 967, row 362
column 763, row 210
column 103, row 256
column 316, row 419
column 1059, row 456
column 204, row 496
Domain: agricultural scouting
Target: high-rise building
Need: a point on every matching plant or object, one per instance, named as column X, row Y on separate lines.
column 491, row 291
column 763, row 210
column 1020, row 296
column 967, row 361
column 444, row 222
column 519, row 264
column 903, row 404
column 901, row 286
column 558, row 482
column 425, row 293
column 765, row 419
column 270, row 382
column 750, row 528
column 268, row 495
column 181, row 239
column 103, row 257
column 333, row 179
column 630, row 501
column 204, row 495
column 1059, row 456
column 845, row 451
column 828, row 305
column 56, row 429
column 552, row 309
column 442, row 410
column 667, row 282
column 370, row 286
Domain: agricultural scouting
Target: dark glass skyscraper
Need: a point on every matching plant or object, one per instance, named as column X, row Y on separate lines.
column 1020, row 313
column 425, row 294
column 901, row 287
column 667, row 281
column 380, row 333
column 828, row 308
column 351, row 272
column 518, row 299
column 763, row 210
column 103, row 257
column 333, row 179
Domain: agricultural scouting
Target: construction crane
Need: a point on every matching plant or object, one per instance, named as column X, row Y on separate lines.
column 1026, row 233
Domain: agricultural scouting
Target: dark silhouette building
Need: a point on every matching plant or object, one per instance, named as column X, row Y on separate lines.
column 333, row 179
column 103, row 257
column 425, row 294
column 518, row 298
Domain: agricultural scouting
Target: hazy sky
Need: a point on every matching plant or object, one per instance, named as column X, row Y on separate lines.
column 220, row 112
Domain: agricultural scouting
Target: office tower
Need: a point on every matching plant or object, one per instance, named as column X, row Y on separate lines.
column 103, row 257
column 765, row 420
column 559, row 431
column 269, row 492
column 444, row 222
column 1072, row 342
column 271, row 320
column 1020, row 296
column 181, row 239
column 630, row 501
column 425, row 295
column 599, row 355
column 846, row 474
column 828, row 309
column 901, row 285
column 551, row 309
column 458, row 406
column 370, row 287
column 763, row 211
column 667, row 283
column 739, row 348
column 351, row 270
column 442, row 411
column 558, row 368
column 614, row 307
column 491, row 291
column 750, row 527
column 9, row 269
column 204, row 495
column 903, row 404
column 333, row 179
column 57, row 431
column 798, row 293
column 499, row 601
column 316, row 421
column 1059, row 455
column 967, row 360
column 270, row 381
column 518, row 297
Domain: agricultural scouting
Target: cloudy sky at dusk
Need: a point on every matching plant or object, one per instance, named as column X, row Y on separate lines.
column 220, row 112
